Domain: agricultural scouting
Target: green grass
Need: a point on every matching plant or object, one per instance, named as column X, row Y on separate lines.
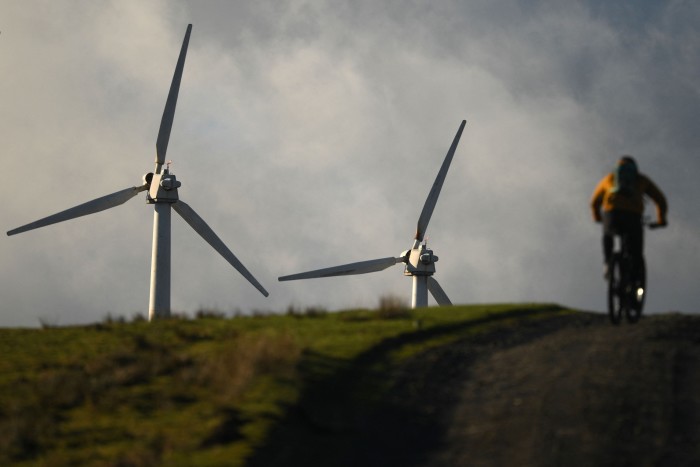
column 206, row 391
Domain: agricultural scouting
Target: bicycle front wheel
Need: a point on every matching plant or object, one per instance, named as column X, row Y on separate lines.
column 638, row 294
column 615, row 292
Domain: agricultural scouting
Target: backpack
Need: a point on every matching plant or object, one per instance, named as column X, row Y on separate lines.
column 625, row 179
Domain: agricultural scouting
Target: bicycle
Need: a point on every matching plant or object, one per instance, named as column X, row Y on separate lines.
column 626, row 283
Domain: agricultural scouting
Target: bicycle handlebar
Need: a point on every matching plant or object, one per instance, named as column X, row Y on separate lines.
column 656, row 225
column 645, row 222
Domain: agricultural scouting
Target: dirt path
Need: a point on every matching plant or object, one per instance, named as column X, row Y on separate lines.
column 590, row 394
column 571, row 390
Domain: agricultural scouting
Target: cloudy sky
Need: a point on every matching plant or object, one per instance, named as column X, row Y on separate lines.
column 308, row 134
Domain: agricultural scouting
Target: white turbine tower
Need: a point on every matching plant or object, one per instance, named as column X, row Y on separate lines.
column 419, row 260
column 161, row 187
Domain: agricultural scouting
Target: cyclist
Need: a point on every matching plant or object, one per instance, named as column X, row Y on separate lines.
column 621, row 194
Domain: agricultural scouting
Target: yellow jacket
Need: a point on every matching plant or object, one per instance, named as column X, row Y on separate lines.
column 603, row 197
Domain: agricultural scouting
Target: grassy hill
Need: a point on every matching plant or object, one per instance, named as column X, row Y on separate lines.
column 211, row 391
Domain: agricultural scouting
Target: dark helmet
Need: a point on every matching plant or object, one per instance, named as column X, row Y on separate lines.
column 627, row 159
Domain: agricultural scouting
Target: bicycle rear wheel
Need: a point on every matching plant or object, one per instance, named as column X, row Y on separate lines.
column 637, row 294
column 615, row 293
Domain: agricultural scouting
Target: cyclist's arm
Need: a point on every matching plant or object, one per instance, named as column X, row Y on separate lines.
column 597, row 199
column 659, row 199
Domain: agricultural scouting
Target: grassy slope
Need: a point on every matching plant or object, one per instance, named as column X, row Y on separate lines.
column 201, row 392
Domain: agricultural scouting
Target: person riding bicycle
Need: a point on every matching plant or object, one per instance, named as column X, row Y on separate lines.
column 621, row 194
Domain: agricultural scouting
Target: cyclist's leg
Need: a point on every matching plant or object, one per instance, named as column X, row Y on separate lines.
column 635, row 241
column 608, row 238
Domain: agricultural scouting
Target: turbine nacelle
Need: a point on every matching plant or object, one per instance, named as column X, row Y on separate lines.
column 420, row 262
column 163, row 188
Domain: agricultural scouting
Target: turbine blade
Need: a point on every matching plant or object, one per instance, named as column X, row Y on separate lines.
column 438, row 294
column 203, row 229
column 166, row 123
column 361, row 267
column 91, row 207
column 430, row 203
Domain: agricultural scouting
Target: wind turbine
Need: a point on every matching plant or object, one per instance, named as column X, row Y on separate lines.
column 419, row 260
column 161, row 187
